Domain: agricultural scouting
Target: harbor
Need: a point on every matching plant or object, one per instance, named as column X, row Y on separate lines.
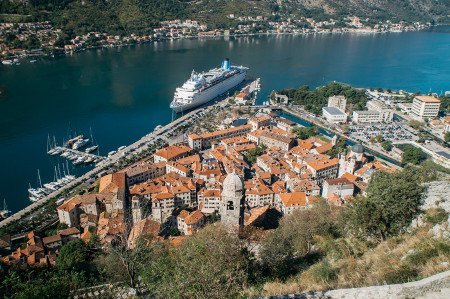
column 61, row 179
column 132, row 102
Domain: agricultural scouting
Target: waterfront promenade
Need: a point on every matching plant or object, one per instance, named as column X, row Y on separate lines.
column 138, row 146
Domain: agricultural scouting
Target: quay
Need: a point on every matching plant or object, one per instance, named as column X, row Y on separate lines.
column 137, row 147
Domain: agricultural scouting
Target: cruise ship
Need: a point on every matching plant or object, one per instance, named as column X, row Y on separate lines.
column 203, row 87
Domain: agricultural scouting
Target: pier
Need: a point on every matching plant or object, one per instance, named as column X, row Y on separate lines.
column 89, row 158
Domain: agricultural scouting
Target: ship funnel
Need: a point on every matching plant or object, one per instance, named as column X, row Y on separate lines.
column 226, row 64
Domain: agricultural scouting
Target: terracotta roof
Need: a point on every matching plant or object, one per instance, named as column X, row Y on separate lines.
column 173, row 151
column 221, row 132
column 51, row 239
column 194, row 217
column 277, row 137
column 350, row 177
column 144, row 227
column 338, row 181
column 162, row 196
column 69, row 231
column 263, row 118
column 86, row 235
column 294, row 199
column 305, row 144
column 255, row 214
column 112, row 182
column 322, row 163
column 211, row 193
column 189, row 160
column 324, row 148
column 183, row 214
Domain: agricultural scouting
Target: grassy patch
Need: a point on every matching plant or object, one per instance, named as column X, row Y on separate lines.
column 323, row 272
column 402, row 274
column 436, row 216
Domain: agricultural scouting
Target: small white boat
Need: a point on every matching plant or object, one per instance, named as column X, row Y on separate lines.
column 7, row 62
column 111, row 153
column 91, row 149
column 80, row 143
column 65, row 154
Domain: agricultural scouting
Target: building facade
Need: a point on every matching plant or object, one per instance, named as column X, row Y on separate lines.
column 425, row 107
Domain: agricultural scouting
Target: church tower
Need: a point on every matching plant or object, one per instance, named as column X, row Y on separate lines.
column 231, row 206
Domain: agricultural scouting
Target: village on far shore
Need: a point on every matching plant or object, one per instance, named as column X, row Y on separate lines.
column 19, row 40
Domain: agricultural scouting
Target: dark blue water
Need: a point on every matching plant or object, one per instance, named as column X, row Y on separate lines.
column 124, row 93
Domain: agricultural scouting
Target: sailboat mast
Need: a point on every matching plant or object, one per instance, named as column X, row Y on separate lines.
column 48, row 142
column 39, row 179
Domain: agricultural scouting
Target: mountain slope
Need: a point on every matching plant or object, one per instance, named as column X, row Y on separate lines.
column 138, row 15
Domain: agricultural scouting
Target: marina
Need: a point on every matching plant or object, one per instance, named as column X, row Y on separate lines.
column 62, row 177
column 75, row 150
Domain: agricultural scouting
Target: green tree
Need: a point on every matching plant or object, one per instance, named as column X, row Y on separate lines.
column 306, row 132
column 393, row 200
column 415, row 124
column 254, row 153
column 210, row 264
column 74, row 255
column 295, row 237
column 412, row 154
column 447, row 137
column 386, row 145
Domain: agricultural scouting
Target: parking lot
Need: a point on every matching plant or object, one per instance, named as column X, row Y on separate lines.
column 391, row 132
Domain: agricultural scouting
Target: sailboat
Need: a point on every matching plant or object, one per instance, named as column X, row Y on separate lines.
column 37, row 193
column 50, row 148
column 5, row 212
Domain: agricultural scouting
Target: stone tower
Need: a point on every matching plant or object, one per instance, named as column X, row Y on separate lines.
column 232, row 207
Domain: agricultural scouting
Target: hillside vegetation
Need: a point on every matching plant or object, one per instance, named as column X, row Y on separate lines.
column 125, row 16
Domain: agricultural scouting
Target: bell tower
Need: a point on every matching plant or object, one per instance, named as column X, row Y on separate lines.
column 232, row 207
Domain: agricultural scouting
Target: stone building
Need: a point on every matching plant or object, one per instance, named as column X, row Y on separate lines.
column 232, row 208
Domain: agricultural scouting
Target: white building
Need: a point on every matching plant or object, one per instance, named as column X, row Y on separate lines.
column 447, row 127
column 339, row 102
column 334, row 115
column 386, row 114
column 405, row 107
column 425, row 107
column 366, row 117
column 340, row 187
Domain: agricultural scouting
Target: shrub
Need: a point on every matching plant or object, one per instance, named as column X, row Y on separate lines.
column 404, row 273
column 427, row 251
column 323, row 272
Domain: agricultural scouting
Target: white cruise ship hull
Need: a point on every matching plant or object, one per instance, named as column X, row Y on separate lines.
column 211, row 93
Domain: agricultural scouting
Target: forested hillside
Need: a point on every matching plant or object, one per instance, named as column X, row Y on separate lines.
column 139, row 15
